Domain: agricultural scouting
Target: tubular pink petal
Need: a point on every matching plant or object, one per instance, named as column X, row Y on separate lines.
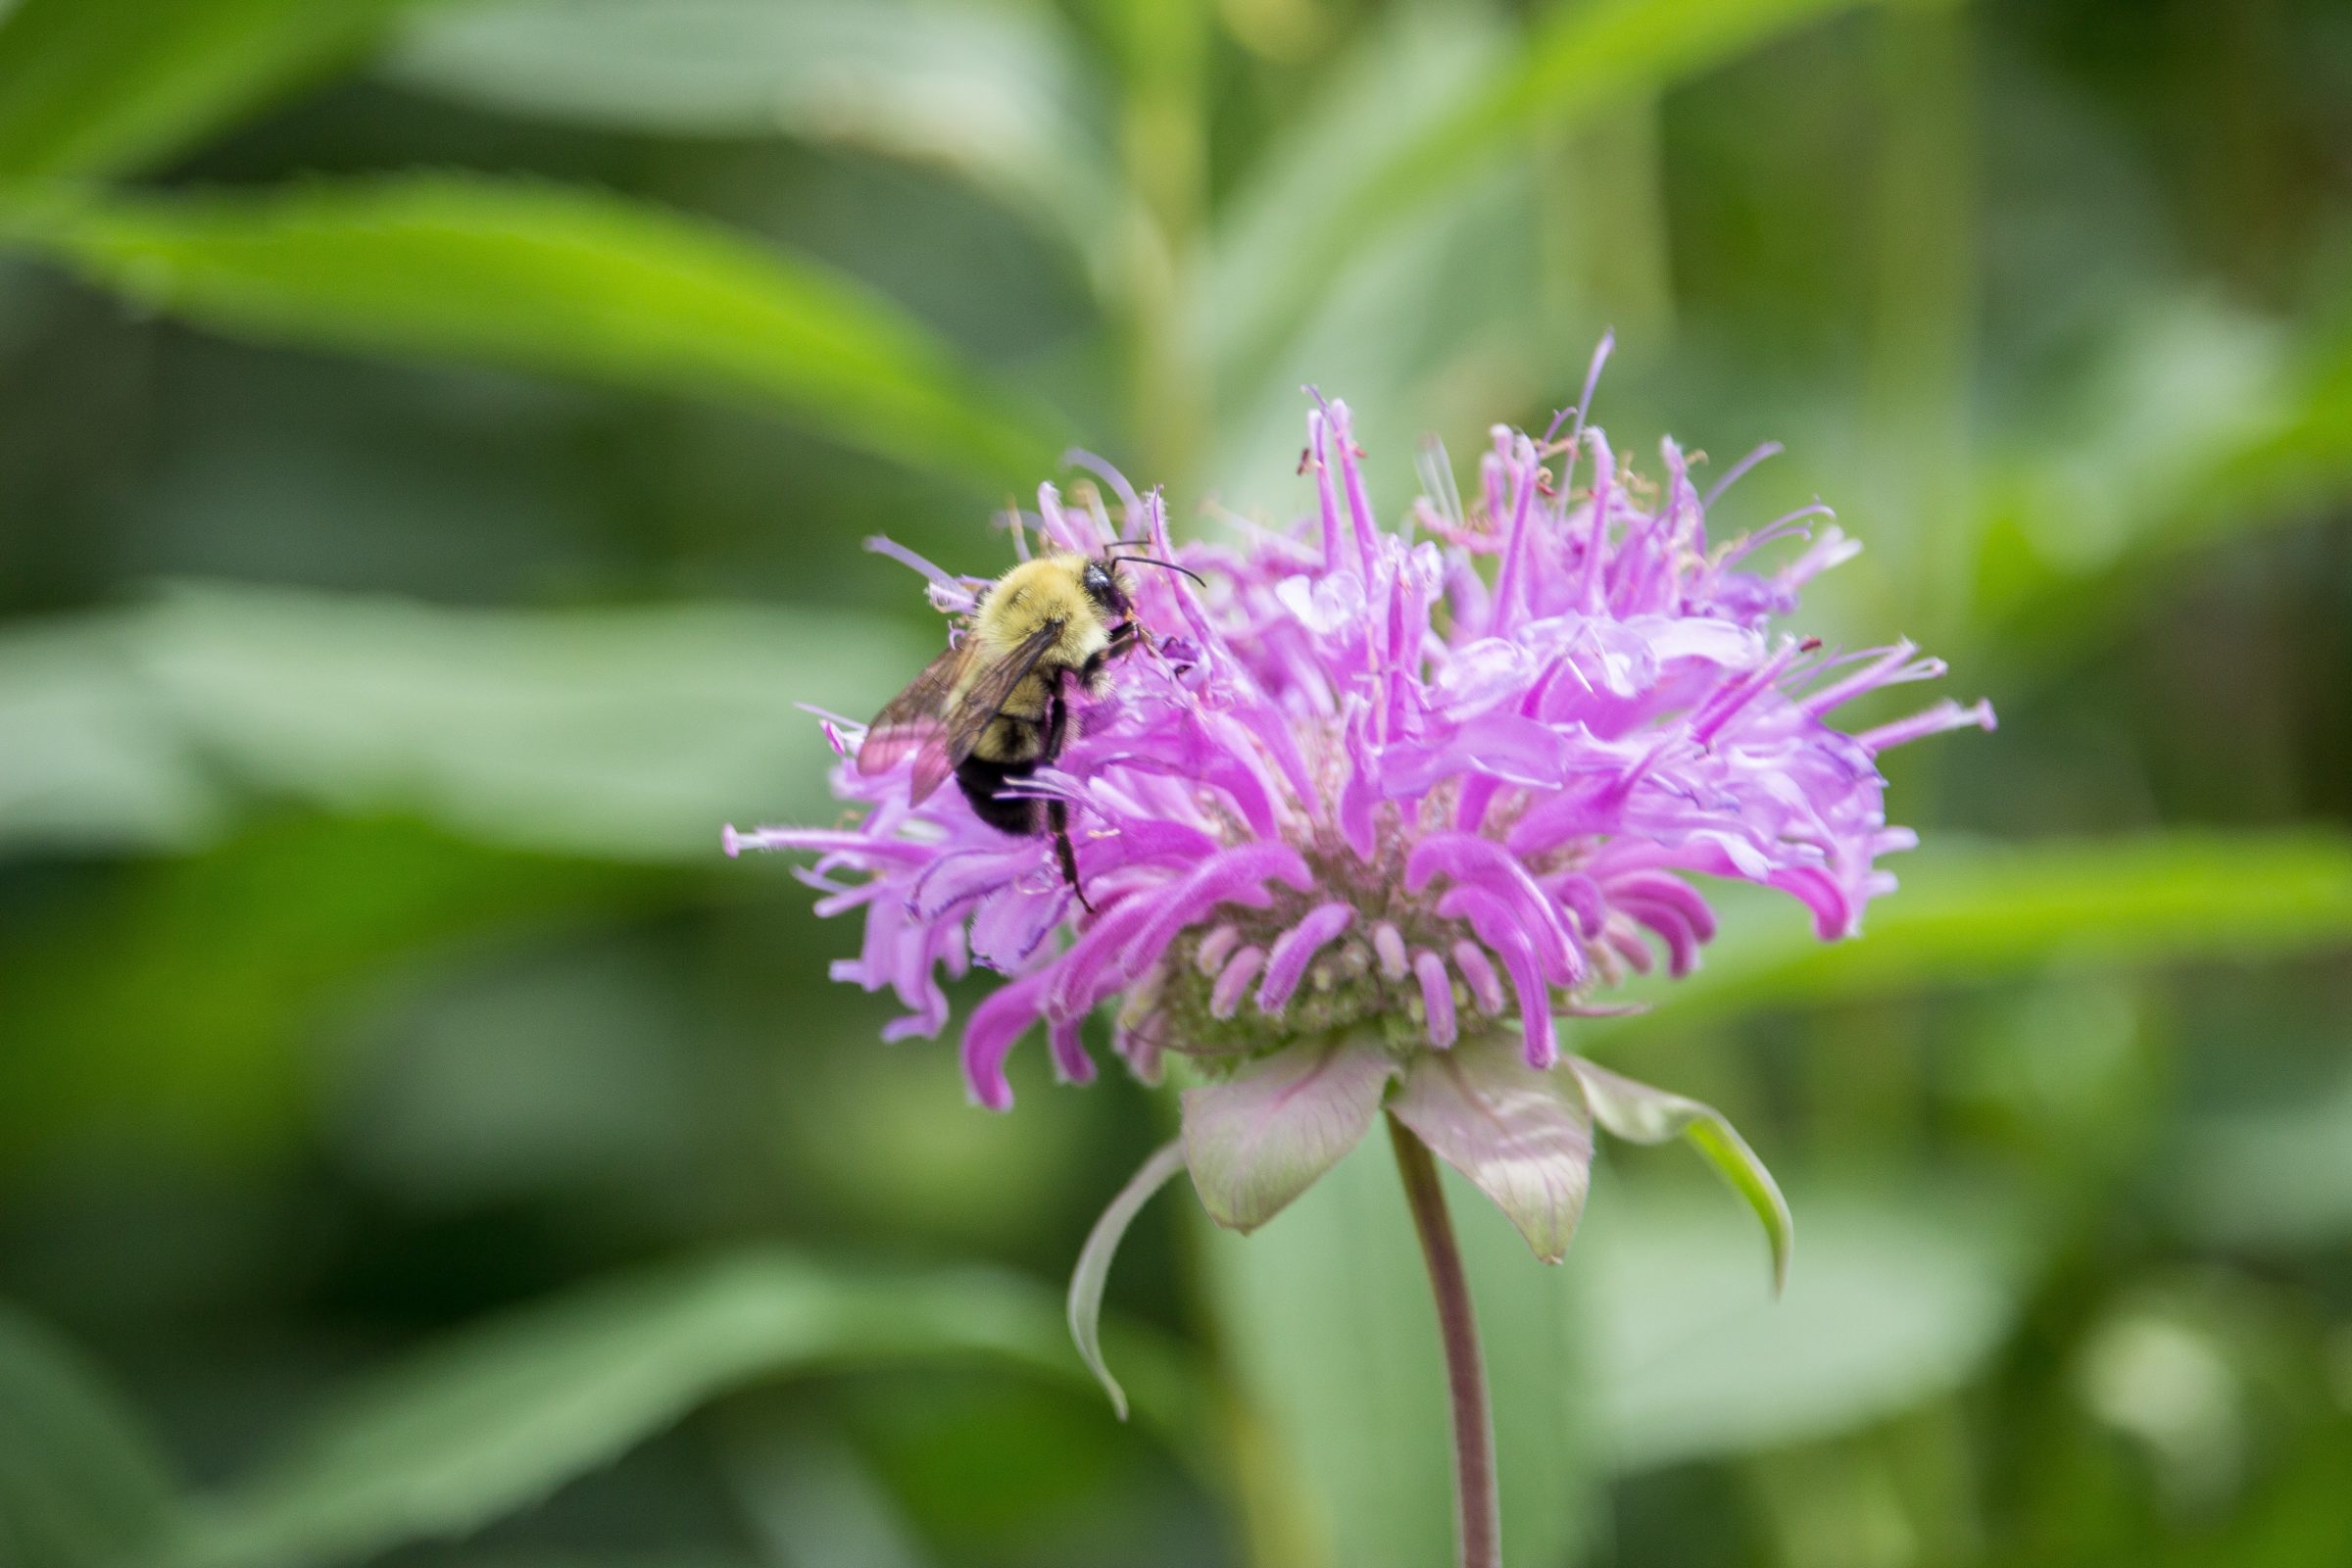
column 946, row 586
column 1362, row 525
column 1781, row 527
column 1661, row 887
column 1484, row 864
column 1584, row 399
column 1673, row 927
column 1360, row 796
column 1061, row 529
column 1478, row 972
column 1071, row 1063
column 1832, row 549
column 1387, row 946
column 1339, row 553
column 1582, row 895
column 1238, row 876
column 1943, row 715
column 1436, row 997
column 1596, row 545
column 1101, row 958
column 1887, row 669
column 899, row 852
column 1535, row 1002
column 1294, row 949
column 1741, row 693
column 1523, row 465
column 997, row 1025
column 1215, row 948
column 1732, row 475
column 1225, row 1000
column 1628, row 944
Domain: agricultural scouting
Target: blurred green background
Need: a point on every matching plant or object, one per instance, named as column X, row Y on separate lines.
column 434, row 445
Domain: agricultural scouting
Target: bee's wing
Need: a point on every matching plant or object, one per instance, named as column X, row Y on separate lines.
column 991, row 687
column 915, row 724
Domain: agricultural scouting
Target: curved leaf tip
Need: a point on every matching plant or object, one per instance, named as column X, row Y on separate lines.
column 1642, row 1114
column 1094, row 1263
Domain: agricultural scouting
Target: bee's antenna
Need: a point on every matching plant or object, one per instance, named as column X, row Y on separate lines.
column 1146, row 560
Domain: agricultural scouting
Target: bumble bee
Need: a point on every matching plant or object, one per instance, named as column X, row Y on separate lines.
column 994, row 707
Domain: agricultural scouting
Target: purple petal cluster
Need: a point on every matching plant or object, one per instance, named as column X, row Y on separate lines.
column 1426, row 782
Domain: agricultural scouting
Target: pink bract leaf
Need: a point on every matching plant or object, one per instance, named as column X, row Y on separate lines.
column 1258, row 1139
column 1521, row 1134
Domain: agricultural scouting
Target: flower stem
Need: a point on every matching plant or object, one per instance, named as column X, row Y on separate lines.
column 1477, row 1506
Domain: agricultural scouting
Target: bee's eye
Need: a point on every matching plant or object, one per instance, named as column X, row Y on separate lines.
column 1096, row 580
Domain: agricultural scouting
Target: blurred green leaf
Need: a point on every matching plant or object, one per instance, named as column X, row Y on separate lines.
column 2271, row 1178
column 1407, row 331
column 106, row 86
column 1977, row 911
column 811, row 1501
column 87, row 761
column 1327, row 1319
column 2196, row 424
column 493, row 1422
column 1394, row 85
column 80, row 1485
column 556, row 281
column 1897, row 1301
column 632, row 734
column 1583, row 60
column 993, row 93
column 179, row 1010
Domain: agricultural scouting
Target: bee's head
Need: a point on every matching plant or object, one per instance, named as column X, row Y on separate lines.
column 1102, row 585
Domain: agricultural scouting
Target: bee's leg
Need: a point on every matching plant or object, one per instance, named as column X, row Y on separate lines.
column 1057, row 818
column 1124, row 636
column 1057, row 809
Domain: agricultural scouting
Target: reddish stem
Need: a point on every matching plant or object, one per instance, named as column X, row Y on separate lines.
column 1477, row 1506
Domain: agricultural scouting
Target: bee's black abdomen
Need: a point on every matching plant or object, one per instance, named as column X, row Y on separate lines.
column 983, row 781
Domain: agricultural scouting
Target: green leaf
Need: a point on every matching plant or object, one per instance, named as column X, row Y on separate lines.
column 2274, row 1177
column 1641, row 1114
column 1326, row 1319
column 1094, row 1263
column 1584, row 60
column 555, row 281
column 1975, row 912
column 218, row 970
column 86, row 761
column 1900, row 1300
column 2200, row 425
column 625, row 734
column 495, row 1421
column 995, row 94
column 1258, row 1140
column 1393, row 87
column 80, row 1485
column 1518, row 1132
column 108, row 87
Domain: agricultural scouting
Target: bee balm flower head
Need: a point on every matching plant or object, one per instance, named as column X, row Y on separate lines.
column 1380, row 806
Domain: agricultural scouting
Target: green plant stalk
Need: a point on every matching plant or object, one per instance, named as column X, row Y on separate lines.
column 1924, row 314
column 1165, row 138
column 1477, row 1504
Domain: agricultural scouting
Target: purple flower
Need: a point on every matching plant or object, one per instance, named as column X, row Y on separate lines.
column 1386, row 805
